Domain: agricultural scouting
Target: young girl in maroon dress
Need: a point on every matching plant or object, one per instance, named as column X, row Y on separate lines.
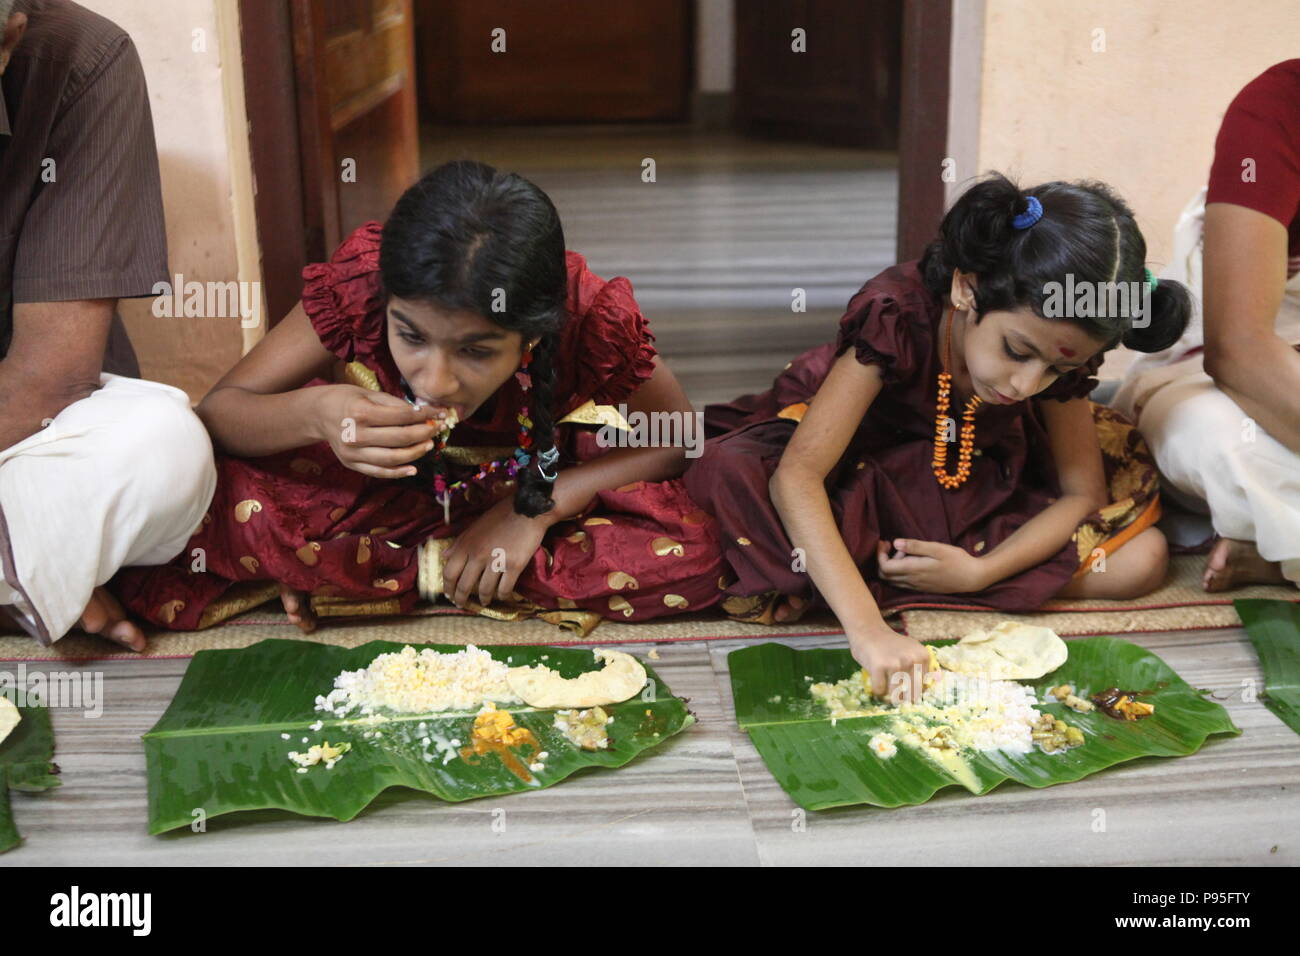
column 463, row 306
column 942, row 449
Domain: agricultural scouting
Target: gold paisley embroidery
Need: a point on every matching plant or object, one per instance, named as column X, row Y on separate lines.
column 305, row 466
column 246, row 509
column 378, row 531
column 250, row 563
column 979, row 546
column 666, row 546
column 744, row 542
column 581, row 540
column 618, row 580
column 388, row 584
column 307, row 554
column 617, row 603
column 393, row 544
column 722, row 582
column 361, row 376
column 169, row 610
column 696, row 517
column 363, row 549
column 676, row 600
column 338, row 513
column 592, row 522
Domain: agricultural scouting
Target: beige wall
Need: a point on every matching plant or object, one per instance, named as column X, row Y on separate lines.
column 197, row 101
column 1142, row 115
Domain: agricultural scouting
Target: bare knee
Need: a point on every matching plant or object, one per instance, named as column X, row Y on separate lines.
column 1146, row 565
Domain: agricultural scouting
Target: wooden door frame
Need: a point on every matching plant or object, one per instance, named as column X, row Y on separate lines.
column 286, row 154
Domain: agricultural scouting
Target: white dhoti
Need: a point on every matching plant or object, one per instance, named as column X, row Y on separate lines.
column 1211, row 455
column 122, row 477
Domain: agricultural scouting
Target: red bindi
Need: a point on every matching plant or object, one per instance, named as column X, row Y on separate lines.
column 1068, row 353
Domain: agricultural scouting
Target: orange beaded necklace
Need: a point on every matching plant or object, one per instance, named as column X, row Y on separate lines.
column 940, row 460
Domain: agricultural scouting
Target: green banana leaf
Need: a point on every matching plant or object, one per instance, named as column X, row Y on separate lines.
column 1274, row 628
column 218, row 748
column 25, row 764
column 822, row 765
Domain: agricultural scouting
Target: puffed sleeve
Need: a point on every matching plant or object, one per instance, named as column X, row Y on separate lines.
column 1077, row 383
column 344, row 297
column 880, row 333
column 608, row 348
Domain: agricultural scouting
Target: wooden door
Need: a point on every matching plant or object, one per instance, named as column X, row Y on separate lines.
column 842, row 88
column 354, row 64
column 576, row 61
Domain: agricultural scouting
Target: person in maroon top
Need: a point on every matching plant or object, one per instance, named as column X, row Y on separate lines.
column 849, row 485
column 463, row 307
column 1221, row 409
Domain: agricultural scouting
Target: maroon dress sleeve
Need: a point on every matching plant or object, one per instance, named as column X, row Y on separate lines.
column 344, row 297
column 1077, row 383
column 607, row 349
column 881, row 333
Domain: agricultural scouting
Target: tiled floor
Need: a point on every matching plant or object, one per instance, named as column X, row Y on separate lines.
column 704, row 797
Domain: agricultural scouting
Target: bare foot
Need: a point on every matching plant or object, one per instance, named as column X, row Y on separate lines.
column 105, row 617
column 1233, row 564
column 298, row 606
column 789, row 609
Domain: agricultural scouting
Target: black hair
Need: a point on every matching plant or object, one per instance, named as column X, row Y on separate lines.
column 466, row 235
column 1086, row 232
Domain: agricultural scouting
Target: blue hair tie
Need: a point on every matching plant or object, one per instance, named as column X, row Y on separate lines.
column 522, row 456
column 1033, row 212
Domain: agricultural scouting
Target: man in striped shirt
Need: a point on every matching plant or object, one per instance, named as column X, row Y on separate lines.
column 98, row 469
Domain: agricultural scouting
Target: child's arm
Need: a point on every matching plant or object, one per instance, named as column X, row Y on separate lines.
column 260, row 407
column 798, row 491
column 1077, row 455
column 468, row 566
column 576, row 486
column 947, row 569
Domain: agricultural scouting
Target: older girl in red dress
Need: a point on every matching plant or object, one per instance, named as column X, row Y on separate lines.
column 465, row 308
column 943, row 449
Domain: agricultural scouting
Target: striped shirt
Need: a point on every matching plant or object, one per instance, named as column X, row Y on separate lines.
column 81, row 212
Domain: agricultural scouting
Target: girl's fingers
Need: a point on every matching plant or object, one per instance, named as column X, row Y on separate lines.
column 395, row 436
column 469, row 579
column 390, row 457
column 380, row 408
column 453, row 565
column 488, row 586
column 376, row 472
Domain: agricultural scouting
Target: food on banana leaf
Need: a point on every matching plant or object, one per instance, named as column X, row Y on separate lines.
column 1065, row 694
column 587, row 729
column 1122, row 704
column 1053, row 734
column 495, row 732
column 324, row 753
column 883, row 745
column 1010, row 651
column 408, row 682
column 539, row 686
column 955, row 712
column 9, row 717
